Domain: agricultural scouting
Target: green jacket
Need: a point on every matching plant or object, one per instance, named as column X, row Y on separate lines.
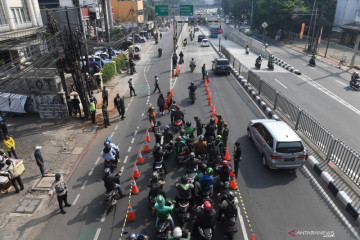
column 163, row 212
column 199, row 124
column 225, row 133
column 105, row 111
column 190, row 131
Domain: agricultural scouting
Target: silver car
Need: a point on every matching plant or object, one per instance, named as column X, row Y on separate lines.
column 279, row 145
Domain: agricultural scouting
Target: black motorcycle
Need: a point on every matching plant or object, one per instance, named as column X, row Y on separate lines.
column 160, row 168
column 192, row 97
column 160, row 52
column 111, row 199
column 163, row 226
column 271, row 66
column 184, row 213
column 312, row 62
column 355, row 84
column 258, row 64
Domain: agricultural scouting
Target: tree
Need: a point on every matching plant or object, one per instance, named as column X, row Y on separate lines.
column 226, row 5
column 149, row 11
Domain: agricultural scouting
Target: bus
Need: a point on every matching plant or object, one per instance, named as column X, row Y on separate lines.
column 214, row 31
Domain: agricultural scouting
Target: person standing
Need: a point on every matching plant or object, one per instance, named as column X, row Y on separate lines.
column 39, row 160
column 151, row 113
column 157, row 84
column 105, row 115
column 59, row 186
column 161, row 103
column 9, row 144
column 92, row 110
column 122, row 107
column 14, row 175
column 199, row 125
column 237, row 157
column 93, row 97
column 220, row 125
column 169, row 100
column 98, row 82
column 105, row 96
column 117, row 103
column 131, row 86
column 76, row 105
column 3, row 126
column 225, row 134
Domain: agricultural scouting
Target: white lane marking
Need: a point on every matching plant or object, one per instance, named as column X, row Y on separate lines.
column 76, row 199
column 341, row 83
column 101, row 152
column 97, row 233
column 84, row 184
column 137, row 127
column 125, row 159
column 126, row 109
column 131, row 99
column 142, row 114
column 135, row 133
column 147, row 101
column 104, row 216
column 242, row 224
column 329, row 93
column 116, row 127
column 129, row 149
column 91, row 171
column 97, row 160
column 112, row 134
column 129, row 104
column 148, row 97
column 122, row 169
column 336, row 209
column 132, row 140
column 280, row 83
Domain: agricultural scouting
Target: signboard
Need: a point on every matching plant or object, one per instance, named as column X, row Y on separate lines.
column 161, row 10
column 264, row 25
column 220, row 31
column 186, row 10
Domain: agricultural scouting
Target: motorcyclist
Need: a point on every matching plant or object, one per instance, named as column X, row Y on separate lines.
column 113, row 146
column 132, row 65
column 271, row 58
column 192, row 163
column 159, row 157
column 247, row 49
column 181, row 55
column 228, row 207
column 201, row 145
column 206, row 215
column 210, row 129
column 211, row 150
column 108, row 152
column 203, row 71
column 184, row 137
column 220, row 124
column 185, row 41
column 156, row 187
column 157, row 132
column 177, row 235
column 192, row 88
column 174, row 59
column 112, row 181
column 184, row 189
column 258, row 60
column 168, row 135
column 313, row 57
column 219, row 146
column 139, row 236
column 163, row 211
column 355, row 76
column 180, row 145
column 189, row 130
column 205, row 182
column 160, row 51
column 224, row 171
column 178, row 114
column 201, row 172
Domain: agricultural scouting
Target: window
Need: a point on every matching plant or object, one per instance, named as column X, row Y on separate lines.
column 2, row 15
column 14, row 15
column 20, row 15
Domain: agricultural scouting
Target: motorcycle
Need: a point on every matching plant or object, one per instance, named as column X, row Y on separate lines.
column 191, row 176
column 222, row 187
column 132, row 70
column 355, row 84
column 230, row 226
column 192, row 97
column 112, row 164
column 312, row 62
column 111, row 199
column 167, row 149
column 184, row 214
column 258, row 64
column 178, row 125
column 192, row 67
column 160, row 53
column 271, row 66
column 163, row 226
column 205, row 233
column 159, row 167
column 181, row 157
column 247, row 51
column 181, row 60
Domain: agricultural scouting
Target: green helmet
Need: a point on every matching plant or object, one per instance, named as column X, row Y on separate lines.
column 160, row 200
column 209, row 171
column 218, row 138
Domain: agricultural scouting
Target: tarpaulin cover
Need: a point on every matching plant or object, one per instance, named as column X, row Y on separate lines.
column 10, row 102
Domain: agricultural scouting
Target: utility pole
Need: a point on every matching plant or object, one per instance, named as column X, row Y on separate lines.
column 109, row 13
column 220, row 38
column 103, row 6
column 307, row 47
column 313, row 33
column 132, row 23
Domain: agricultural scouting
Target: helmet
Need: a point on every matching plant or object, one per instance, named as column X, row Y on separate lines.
column 218, row 138
column 140, row 236
column 230, row 195
column 192, row 155
column 212, row 120
column 174, row 102
column 218, row 157
column 196, row 117
column 157, row 146
column 160, row 200
column 219, row 116
column 192, row 59
column 155, row 175
column 155, row 76
column 225, row 124
column 132, row 236
column 192, row 83
column 207, row 206
column 184, row 180
column 203, row 167
column 224, row 163
column 177, row 233
column 166, row 127
column 178, row 138
column 107, row 171
column 158, row 123
column 107, row 144
column 177, row 107
column 209, row 171
column 108, row 139
column 201, row 137
column 188, row 124
column 57, row 176
column 182, row 132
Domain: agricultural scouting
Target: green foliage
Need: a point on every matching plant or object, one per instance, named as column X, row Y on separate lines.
column 116, row 32
column 120, row 61
column 45, row 34
column 108, row 71
column 149, row 11
column 226, row 5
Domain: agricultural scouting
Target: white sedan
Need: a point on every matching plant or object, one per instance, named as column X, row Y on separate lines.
column 205, row 43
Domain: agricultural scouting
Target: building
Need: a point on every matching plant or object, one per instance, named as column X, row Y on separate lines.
column 128, row 13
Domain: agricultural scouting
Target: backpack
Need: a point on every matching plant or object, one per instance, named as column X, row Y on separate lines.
column 230, row 210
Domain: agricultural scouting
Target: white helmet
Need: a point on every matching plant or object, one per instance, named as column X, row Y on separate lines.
column 177, row 233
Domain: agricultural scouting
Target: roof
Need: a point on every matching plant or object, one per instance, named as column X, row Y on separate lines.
column 279, row 129
column 222, row 59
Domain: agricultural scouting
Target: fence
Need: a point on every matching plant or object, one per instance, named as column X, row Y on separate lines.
column 335, row 150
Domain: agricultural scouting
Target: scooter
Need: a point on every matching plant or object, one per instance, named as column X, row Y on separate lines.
column 271, row 66
column 258, row 65
column 178, row 125
column 355, row 84
column 192, row 67
column 163, row 226
column 111, row 199
column 312, row 62
column 247, row 51
column 184, row 210
column 205, row 233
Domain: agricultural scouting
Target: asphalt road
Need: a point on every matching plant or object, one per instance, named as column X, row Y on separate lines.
column 272, row 202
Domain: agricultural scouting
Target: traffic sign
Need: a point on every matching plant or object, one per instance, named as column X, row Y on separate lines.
column 220, row 31
column 186, row 10
column 161, row 10
column 264, row 25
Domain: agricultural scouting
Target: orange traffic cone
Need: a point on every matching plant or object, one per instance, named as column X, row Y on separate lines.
column 213, row 108
column 152, row 125
column 171, row 92
column 147, row 138
column 214, row 105
column 131, row 214
column 233, row 183
column 227, row 155
column 209, row 102
column 140, row 159
column 134, row 188
column 206, row 83
column 253, row 237
column 231, row 173
column 216, row 120
column 178, row 69
column 207, row 91
column 207, row 77
column 146, row 147
column 136, row 171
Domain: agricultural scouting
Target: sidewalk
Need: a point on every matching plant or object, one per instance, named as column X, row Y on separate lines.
column 62, row 143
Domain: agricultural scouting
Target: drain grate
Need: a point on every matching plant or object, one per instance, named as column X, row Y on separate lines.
column 28, row 206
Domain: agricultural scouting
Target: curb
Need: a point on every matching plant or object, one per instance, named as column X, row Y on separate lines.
column 334, row 189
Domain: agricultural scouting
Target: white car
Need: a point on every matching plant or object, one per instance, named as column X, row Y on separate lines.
column 205, row 43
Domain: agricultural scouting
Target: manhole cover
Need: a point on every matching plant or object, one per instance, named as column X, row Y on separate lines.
column 28, row 206
column 44, row 183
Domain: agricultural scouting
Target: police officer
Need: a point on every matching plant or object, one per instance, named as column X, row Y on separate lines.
column 59, row 186
column 199, row 125
column 220, row 125
column 92, row 110
column 225, row 134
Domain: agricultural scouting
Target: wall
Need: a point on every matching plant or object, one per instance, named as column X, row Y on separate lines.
column 345, row 13
column 122, row 10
